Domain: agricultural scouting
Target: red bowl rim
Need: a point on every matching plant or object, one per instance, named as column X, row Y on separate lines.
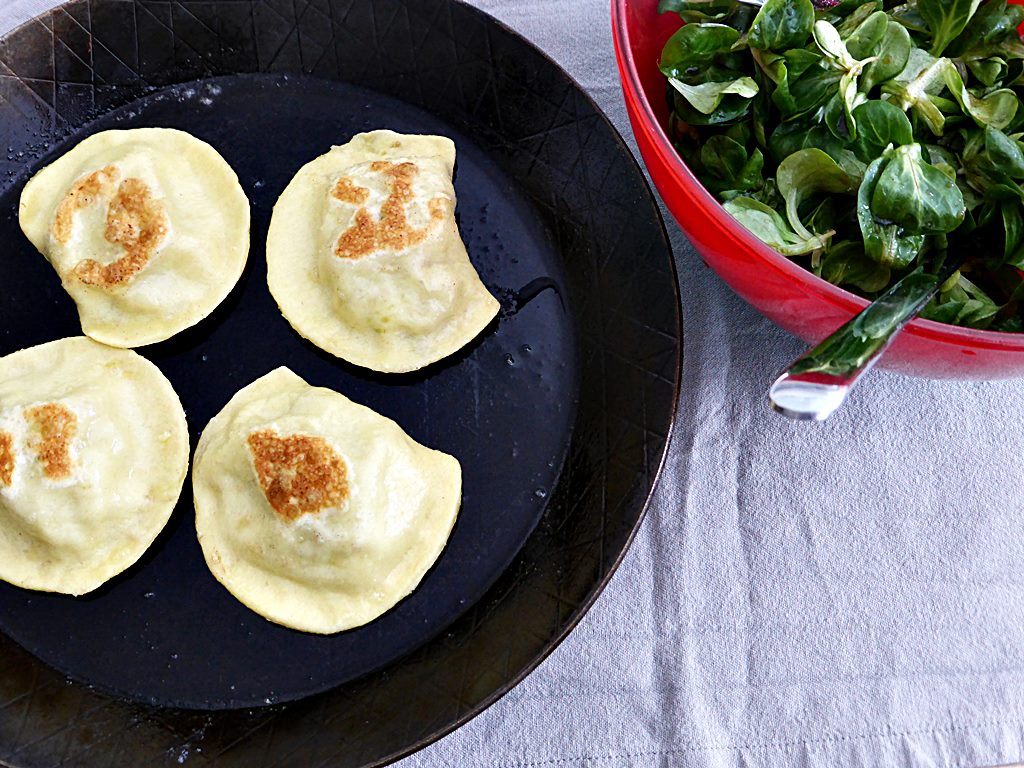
column 826, row 291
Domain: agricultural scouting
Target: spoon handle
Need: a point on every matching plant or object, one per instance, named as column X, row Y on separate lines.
column 816, row 384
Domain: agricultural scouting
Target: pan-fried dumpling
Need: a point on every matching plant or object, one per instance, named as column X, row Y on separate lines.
column 148, row 229
column 315, row 512
column 364, row 257
column 93, row 454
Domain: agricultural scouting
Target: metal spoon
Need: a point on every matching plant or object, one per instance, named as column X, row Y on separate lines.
column 817, row 383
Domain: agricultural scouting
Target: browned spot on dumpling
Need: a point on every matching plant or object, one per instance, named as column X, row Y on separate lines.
column 348, row 192
column 137, row 222
column 6, row 458
column 299, row 474
column 55, row 426
column 392, row 230
column 89, row 191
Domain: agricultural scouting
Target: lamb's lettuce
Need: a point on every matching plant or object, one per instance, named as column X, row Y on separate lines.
column 869, row 140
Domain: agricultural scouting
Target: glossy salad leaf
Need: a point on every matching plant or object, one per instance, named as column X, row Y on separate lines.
column 808, row 92
column 782, row 24
column 864, row 42
column 729, row 167
column 723, row 156
column 839, row 111
column 761, row 109
column 846, row 6
column 788, row 138
column 1004, row 153
column 884, row 241
column 846, row 264
column 820, row 217
column 856, row 15
column 988, row 71
column 850, row 98
column 890, row 57
column 707, row 97
column 697, row 11
column 771, row 228
column 695, row 46
column 880, row 124
column 908, row 16
column 915, row 195
column 805, row 173
column 997, row 108
column 946, row 19
column 993, row 22
column 1013, row 226
column 941, row 157
column 832, row 46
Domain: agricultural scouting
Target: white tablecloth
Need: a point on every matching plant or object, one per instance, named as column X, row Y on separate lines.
column 843, row 594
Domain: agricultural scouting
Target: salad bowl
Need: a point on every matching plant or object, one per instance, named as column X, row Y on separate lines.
column 786, row 293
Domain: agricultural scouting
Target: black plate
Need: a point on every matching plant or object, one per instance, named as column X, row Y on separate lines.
column 559, row 412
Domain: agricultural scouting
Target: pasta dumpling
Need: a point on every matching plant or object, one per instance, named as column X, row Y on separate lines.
column 148, row 229
column 364, row 256
column 93, row 454
column 316, row 512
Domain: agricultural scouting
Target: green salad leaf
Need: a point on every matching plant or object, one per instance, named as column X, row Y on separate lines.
column 782, row 24
column 707, row 97
column 946, row 19
column 805, row 173
column 1004, row 153
column 890, row 58
column 695, row 46
column 765, row 222
column 848, row 264
column 729, row 168
column 993, row 22
column 868, row 140
column 915, row 195
column 867, row 37
column 997, row 108
column 915, row 88
column 882, row 124
column 885, row 242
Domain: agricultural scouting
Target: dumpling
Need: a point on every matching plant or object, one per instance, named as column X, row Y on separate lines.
column 315, row 512
column 364, row 257
column 148, row 229
column 93, row 454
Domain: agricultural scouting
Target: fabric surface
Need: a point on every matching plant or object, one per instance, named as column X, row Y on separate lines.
column 840, row 594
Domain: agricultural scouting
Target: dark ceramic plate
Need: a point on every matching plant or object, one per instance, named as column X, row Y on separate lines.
column 559, row 412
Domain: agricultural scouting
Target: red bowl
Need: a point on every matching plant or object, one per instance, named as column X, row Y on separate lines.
column 784, row 292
